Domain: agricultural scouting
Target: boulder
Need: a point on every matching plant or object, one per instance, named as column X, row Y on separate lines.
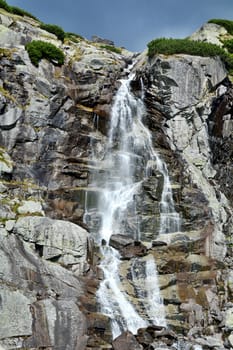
column 127, row 246
column 118, row 241
column 30, row 207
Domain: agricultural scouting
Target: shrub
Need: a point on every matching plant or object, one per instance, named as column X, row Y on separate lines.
column 185, row 46
column 228, row 44
column 21, row 12
column 5, row 6
column 38, row 49
column 111, row 48
column 73, row 36
column 15, row 10
column 189, row 47
column 229, row 63
column 54, row 29
column 227, row 24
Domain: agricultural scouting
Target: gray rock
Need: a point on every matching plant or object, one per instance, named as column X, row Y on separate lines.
column 9, row 225
column 49, row 141
column 38, row 300
column 10, row 118
column 119, row 241
column 126, row 341
column 6, row 20
column 16, row 317
column 55, row 238
column 97, row 39
column 49, row 317
column 30, row 207
column 209, row 32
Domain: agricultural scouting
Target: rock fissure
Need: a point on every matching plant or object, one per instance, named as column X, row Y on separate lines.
column 52, row 119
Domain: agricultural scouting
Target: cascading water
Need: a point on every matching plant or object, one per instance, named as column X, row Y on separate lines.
column 129, row 159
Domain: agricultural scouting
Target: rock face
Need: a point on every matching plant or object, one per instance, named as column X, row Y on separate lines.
column 39, row 299
column 47, row 122
column 51, row 119
column 209, row 32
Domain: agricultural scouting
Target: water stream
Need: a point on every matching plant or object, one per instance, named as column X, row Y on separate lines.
column 128, row 160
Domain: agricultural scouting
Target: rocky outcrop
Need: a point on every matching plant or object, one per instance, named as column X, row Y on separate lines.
column 51, row 120
column 39, row 298
column 211, row 33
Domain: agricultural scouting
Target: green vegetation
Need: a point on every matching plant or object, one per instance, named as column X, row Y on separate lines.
column 51, row 28
column 227, row 24
column 20, row 12
column 15, row 10
column 54, row 29
column 185, row 46
column 111, row 48
column 5, row 6
column 73, row 37
column 38, row 49
column 228, row 44
column 190, row 47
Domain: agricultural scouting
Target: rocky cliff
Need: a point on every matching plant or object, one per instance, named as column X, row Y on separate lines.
column 51, row 119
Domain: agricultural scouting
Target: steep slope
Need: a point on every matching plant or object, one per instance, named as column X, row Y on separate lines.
column 47, row 121
column 51, row 120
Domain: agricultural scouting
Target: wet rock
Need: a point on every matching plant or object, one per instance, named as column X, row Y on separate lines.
column 127, row 247
column 120, row 241
column 52, row 120
column 99, row 325
column 156, row 335
column 126, row 341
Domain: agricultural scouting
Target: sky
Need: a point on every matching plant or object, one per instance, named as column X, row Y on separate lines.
column 129, row 23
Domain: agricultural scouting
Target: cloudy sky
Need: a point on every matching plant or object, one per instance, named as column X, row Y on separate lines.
column 129, row 23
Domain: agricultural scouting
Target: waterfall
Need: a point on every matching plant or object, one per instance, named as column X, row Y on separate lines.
column 129, row 159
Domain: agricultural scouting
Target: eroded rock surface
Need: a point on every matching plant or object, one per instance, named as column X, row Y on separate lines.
column 51, row 120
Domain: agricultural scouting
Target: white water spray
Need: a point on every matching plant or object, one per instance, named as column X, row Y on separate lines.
column 129, row 160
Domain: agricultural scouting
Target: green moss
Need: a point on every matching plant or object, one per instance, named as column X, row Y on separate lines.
column 227, row 24
column 38, row 50
column 111, row 48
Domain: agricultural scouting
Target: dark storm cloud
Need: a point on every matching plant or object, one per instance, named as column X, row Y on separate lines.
column 129, row 23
